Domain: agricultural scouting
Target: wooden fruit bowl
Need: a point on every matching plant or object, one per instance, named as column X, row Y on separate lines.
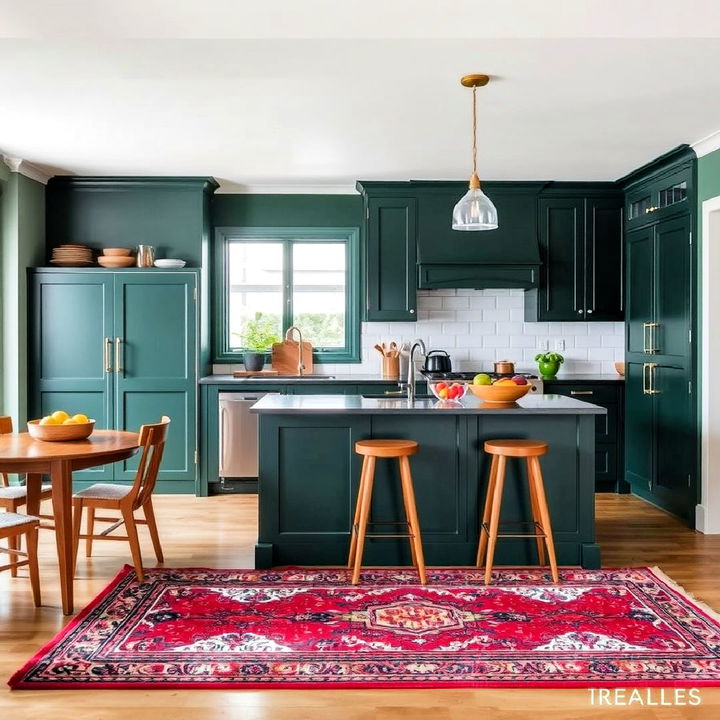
column 500, row 394
column 60, row 433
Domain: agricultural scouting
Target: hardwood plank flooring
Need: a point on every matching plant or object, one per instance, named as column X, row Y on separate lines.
column 221, row 531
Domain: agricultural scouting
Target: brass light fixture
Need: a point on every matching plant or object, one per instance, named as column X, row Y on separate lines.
column 475, row 210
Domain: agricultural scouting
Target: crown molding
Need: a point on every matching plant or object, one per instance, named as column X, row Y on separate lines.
column 708, row 144
column 228, row 187
column 34, row 172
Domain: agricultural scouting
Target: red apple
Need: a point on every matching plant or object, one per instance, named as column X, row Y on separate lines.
column 519, row 380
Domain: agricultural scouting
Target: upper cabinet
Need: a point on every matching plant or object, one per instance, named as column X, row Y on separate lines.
column 581, row 247
column 391, row 258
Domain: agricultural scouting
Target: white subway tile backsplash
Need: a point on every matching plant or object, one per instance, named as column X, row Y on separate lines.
column 478, row 327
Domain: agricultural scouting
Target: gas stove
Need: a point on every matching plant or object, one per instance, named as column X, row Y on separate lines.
column 536, row 383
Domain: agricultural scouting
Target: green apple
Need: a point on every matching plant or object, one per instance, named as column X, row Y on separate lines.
column 482, row 379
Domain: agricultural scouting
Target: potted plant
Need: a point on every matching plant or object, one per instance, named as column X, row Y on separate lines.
column 549, row 363
column 259, row 336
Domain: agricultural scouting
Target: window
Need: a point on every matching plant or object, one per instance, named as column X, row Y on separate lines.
column 307, row 277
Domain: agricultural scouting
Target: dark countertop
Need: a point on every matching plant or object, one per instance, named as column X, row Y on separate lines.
column 336, row 379
column 357, row 405
column 587, row 378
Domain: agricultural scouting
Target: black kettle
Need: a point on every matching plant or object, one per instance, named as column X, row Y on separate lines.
column 437, row 361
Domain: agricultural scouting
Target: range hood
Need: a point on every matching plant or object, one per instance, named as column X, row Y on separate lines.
column 508, row 257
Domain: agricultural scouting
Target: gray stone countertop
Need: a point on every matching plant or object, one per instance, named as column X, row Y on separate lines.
column 358, row 405
column 587, row 378
column 285, row 380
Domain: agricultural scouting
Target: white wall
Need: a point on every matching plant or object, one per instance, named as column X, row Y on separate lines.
column 478, row 327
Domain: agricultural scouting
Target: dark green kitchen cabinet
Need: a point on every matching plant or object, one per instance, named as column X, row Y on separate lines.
column 121, row 347
column 581, row 248
column 661, row 429
column 661, row 436
column 391, row 258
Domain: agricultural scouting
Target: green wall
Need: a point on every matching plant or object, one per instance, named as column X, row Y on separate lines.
column 287, row 210
column 708, row 178
column 22, row 245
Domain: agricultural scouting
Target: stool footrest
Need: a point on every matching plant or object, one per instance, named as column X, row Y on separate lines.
column 540, row 532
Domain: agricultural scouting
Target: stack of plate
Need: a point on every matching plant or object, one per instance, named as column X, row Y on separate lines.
column 72, row 256
column 116, row 258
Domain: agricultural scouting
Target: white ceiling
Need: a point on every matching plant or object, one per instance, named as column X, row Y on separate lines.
column 321, row 93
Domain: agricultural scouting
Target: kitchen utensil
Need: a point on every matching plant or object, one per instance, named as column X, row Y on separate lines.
column 499, row 394
column 379, row 348
column 285, row 357
column 117, row 252
column 115, row 261
column 60, row 433
column 145, row 256
column 437, row 361
column 169, row 263
column 504, row 367
column 620, row 368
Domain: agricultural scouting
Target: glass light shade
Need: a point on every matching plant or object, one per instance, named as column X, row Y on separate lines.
column 474, row 211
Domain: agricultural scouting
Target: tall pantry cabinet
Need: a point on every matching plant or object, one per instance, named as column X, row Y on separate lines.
column 121, row 347
column 661, row 386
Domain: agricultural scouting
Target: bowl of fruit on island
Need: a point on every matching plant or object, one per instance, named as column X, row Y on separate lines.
column 59, row 426
column 446, row 391
column 501, row 390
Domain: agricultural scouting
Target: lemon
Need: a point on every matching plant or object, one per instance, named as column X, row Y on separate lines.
column 70, row 421
column 80, row 418
column 47, row 420
column 59, row 416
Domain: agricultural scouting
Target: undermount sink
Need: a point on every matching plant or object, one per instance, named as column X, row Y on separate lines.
column 382, row 396
column 270, row 378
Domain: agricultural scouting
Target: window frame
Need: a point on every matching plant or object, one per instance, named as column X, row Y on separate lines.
column 224, row 236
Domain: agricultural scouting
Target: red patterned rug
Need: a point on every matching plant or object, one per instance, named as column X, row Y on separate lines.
column 302, row 627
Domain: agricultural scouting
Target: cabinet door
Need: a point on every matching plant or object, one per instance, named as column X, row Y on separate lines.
column 639, row 430
column 604, row 259
column 72, row 317
column 675, row 441
column 640, row 295
column 391, row 259
column 673, row 287
column 560, row 292
column 155, row 365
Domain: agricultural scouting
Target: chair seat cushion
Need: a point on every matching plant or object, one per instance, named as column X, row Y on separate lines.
column 8, row 519
column 15, row 492
column 104, row 491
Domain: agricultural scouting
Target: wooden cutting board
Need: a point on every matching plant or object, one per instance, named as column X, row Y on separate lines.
column 285, row 357
column 255, row 373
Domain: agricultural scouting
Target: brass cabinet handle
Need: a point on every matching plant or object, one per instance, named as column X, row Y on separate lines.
column 651, row 209
column 646, row 349
column 107, row 349
column 653, row 390
column 118, row 355
column 582, row 392
column 653, row 337
column 646, row 386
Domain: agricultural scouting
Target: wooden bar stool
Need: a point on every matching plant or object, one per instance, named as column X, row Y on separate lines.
column 371, row 450
column 501, row 450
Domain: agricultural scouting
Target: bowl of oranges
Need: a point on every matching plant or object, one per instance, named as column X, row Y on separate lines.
column 59, row 426
column 500, row 391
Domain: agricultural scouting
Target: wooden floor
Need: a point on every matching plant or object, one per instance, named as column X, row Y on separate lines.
column 220, row 532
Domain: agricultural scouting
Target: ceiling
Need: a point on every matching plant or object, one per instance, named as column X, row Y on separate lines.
column 314, row 95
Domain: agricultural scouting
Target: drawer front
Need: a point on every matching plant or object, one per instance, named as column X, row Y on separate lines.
column 597, row 393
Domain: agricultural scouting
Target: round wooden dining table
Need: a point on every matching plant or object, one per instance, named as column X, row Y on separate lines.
column 20, row 453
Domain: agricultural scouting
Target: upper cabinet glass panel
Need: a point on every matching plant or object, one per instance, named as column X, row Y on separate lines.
column 673, row 194
column 639, row 207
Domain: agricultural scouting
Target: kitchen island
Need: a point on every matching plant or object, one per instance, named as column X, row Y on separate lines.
column 309, row 476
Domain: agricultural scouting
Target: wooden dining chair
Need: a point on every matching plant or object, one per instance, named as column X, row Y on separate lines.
column 12, row 526
column 126, row 499
column 13, row 497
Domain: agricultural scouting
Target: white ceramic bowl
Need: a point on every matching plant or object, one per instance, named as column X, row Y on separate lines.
column 169, row 263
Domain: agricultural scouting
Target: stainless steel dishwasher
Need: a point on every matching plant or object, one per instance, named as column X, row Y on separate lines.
column 238, row 435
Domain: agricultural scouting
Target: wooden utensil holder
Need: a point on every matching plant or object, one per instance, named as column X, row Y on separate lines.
column 390, row 367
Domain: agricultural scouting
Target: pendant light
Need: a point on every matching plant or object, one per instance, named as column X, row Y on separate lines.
column 475, row 210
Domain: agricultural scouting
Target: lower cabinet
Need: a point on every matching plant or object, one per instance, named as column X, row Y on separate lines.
column 609, row 432
column 121, row 348
column 661, row 436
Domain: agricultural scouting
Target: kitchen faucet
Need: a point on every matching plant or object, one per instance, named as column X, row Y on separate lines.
column 288, row 336
column 411, row 368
